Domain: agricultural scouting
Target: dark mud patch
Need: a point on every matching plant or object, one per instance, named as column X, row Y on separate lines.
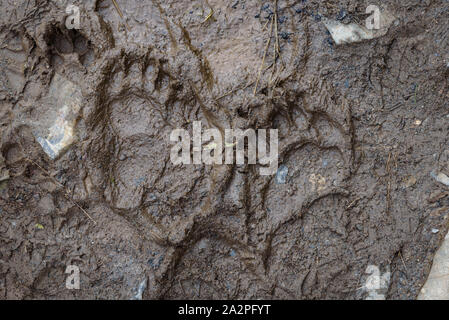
column 361, row 127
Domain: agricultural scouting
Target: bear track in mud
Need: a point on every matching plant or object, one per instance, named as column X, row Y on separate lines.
column 221, row 231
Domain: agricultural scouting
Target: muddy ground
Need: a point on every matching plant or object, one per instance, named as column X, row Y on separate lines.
column 361, row 128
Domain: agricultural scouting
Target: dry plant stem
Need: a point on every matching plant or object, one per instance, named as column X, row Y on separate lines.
column 264, row 56
column 278, row 51
column 208, row 16
column 265, row 25
column 236, row 89
column 276, row 54
column 67, row 192
column 211, row 13
column 120, row 13
column 403, row 262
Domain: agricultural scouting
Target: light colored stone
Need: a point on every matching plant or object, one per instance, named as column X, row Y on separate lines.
column 348, row 33
column 437, row 284
column 140, row 290
column 4, row 173
column 440, row 177
column 63, row 106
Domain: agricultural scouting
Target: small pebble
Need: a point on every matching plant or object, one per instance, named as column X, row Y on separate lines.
column 440, row 177
column 284, row 35
column 281, row 175
column 140, row 290
column 342, row 14
column 202, row 244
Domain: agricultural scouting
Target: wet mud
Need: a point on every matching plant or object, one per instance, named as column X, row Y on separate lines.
column 361, row 128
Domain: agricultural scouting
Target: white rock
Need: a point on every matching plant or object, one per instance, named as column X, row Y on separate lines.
column 437, row 284
column 348, row 33
column 440, row 177
column 140, row 290
column 62, row 107
column 4, row 173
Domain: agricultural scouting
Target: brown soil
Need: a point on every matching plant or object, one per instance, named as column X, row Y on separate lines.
column 361, row 127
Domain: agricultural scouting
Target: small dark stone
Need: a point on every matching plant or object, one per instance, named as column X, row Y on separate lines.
column 257, row 16
column 284, row 35
column 342, row 14
column 266, row 8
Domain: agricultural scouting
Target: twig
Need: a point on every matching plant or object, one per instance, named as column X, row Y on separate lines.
column 211, row 13
column 403, row 262
column 265, row 25
column 352, row 203
column 234, row 90
column 278, row 51
column 264, row 56
column 67, row 192
column 120, row 13
column 182, row 287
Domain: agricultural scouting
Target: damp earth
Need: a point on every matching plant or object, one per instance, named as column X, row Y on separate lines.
column 362, row 127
